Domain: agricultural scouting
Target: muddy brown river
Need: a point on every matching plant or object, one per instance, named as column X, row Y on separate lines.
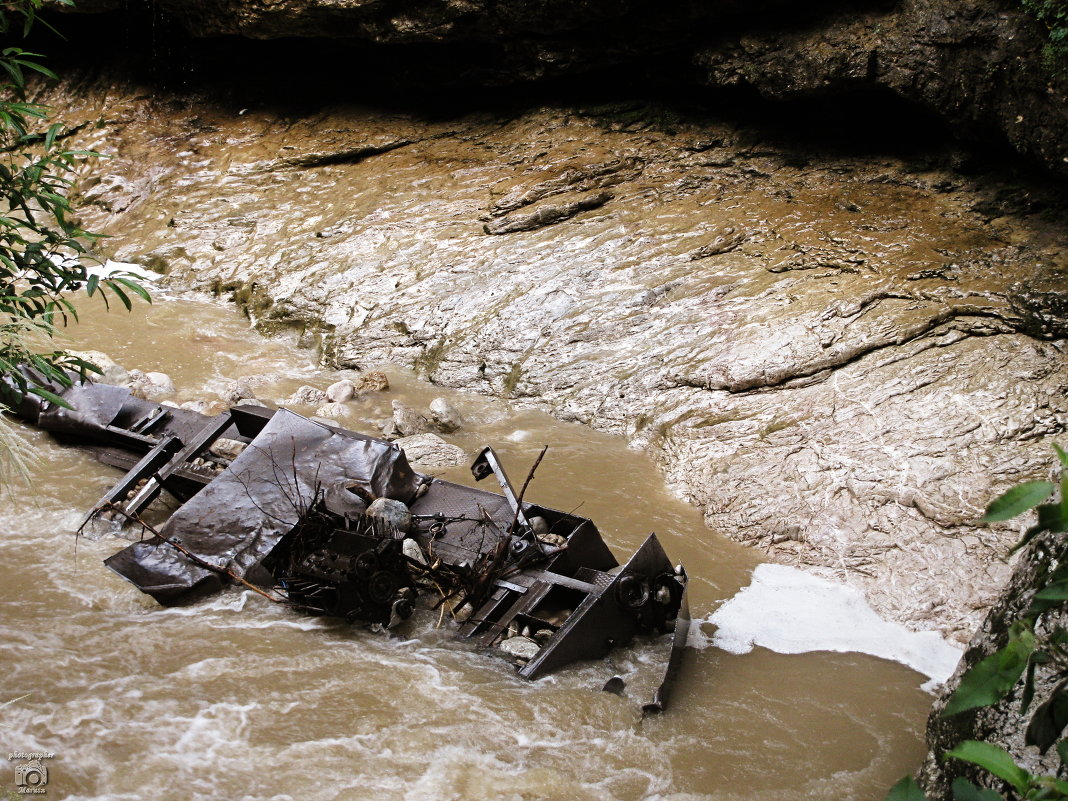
column 234, row 697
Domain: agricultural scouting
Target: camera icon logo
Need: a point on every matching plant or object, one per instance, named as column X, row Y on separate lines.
column 31, row 774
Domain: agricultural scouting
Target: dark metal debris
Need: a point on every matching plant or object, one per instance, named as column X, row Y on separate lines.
column 337, row 523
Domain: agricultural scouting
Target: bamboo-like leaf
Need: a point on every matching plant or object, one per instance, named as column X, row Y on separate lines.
column 134, row 287
column 51, row 397
column 1057, row 591
column 121, row 295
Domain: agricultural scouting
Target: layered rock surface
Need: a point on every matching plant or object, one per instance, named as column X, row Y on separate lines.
column 841, row 358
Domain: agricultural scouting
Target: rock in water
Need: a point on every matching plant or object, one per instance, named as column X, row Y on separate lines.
column 520, row 647
column 306, row 396
column 374, row 381
column 150, row 385
column 430, row 450
column 237, row 391
column 333, row 411
column 444, row 416
column 393, row 512
column 407, row 420
column 112, row 371
column 341, row 391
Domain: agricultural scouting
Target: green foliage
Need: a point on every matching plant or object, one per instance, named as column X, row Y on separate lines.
column 43, row 251
column 993, row 678
column 1018, row 500
column 906, row 790
column 964, row 790
column 1053, row 14
column 993, row 759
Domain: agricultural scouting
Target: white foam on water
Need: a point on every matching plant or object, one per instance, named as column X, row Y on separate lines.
column 792, row 612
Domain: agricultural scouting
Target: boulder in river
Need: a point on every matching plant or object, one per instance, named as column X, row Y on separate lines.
column 341, row 391
column 407, row 421
column 306, row 396
column 151, row 385
column 444, row 416
column 431, row 451
column 333, row 411
column 373, row 381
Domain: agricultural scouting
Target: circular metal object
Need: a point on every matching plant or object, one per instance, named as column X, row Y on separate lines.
column 381, row 587
column 366, row 564
column 632, row 591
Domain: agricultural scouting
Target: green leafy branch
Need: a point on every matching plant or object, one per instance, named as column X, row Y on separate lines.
column 45, row 255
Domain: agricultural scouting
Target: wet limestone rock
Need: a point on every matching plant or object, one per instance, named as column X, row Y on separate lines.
column 407, row 421
column 151, row 385
column 334, row 411
column 341, row 391
column 977, row 65
column 444, row 416
column 546, row 214
column 431, row 451
column 306, row 396
column 845, row 388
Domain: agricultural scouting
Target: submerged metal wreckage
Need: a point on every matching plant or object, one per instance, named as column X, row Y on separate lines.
column 338, row 523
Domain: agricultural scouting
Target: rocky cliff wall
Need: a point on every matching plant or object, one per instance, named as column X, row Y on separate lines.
column 976, row 64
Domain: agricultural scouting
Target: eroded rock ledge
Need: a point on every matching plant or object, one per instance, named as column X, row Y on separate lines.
column 841, row 358
column 975, row 64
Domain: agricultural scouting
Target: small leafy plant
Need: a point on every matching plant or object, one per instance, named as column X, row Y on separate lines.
column 993, row 678
column 1054, row 15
